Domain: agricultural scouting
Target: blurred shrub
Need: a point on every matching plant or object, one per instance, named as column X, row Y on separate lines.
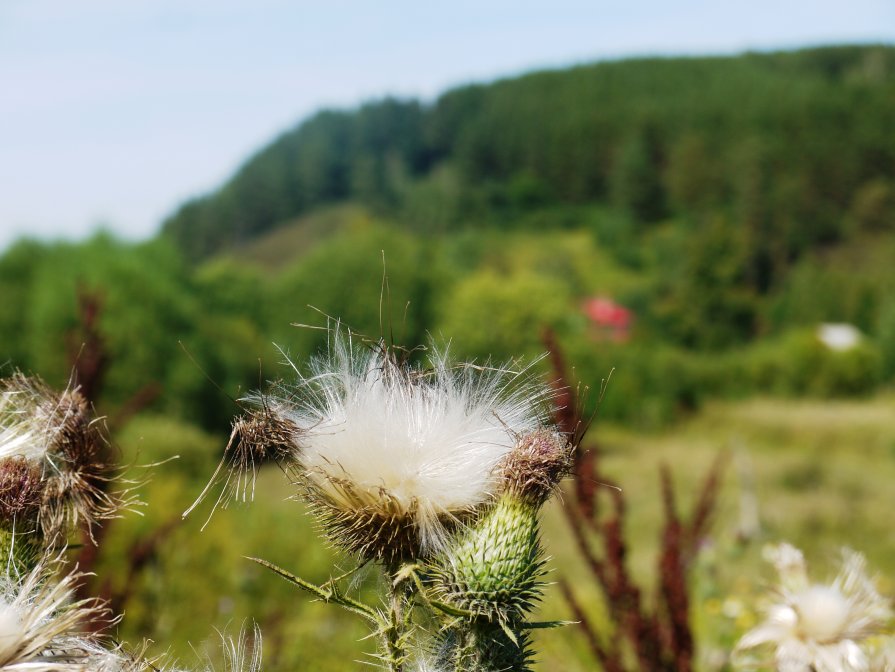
column 873, row 206
column 146, row 308
column 886, row 335
column 650, row 385
column 820, row 291
column 18, row 268
column 798, row 363
column 149, row 439
column 489, row 314
column 343, row 277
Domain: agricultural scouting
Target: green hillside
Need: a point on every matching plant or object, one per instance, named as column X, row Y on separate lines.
column 731, row 204
column 786, row 145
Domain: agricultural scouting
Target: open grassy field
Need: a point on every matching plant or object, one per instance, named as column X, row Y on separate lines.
column 819, row 473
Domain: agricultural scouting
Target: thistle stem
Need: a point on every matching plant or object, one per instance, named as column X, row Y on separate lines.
column 397, row 632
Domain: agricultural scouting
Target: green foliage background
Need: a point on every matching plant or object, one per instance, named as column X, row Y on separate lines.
column 732, row 203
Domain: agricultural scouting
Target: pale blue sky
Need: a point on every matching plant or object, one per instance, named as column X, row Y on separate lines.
column 115, row 111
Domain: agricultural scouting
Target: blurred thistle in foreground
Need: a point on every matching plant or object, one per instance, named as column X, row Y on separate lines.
column 52, row 481
column 436, row 474
column 41, row 630
column 242, row 654
column 51, row 474
column 39, row 624
column 818, row 627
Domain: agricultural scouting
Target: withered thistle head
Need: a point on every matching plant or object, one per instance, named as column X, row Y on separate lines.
column 52, row 475
column 537, row 463
column 21, row 490
column 258, row 436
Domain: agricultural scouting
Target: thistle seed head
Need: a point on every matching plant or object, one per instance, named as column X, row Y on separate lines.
column 258, row 436
column 393, row 456
column 52, row 446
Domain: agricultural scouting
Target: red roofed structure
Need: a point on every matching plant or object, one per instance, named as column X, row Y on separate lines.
column 610, row 319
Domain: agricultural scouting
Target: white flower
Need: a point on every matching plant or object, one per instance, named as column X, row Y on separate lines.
column 389, row 452
column 820, row 627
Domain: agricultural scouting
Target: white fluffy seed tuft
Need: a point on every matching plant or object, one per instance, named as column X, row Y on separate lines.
column 823, row 613
column 427, row 441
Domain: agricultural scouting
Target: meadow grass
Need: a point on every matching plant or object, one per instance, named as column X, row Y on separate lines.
column 822, row 473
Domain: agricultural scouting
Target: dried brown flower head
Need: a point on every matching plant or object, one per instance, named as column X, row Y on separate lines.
column 52, row 474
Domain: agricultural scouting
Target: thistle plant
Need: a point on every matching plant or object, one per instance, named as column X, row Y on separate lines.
column 819, row 627
column 52, row 483
column 434, row 474
column 492, row 574
column 51, row 475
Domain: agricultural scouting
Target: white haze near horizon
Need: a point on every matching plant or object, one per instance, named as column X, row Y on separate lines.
column 113, row 113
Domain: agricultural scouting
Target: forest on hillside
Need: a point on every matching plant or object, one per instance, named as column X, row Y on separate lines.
column 730, row 205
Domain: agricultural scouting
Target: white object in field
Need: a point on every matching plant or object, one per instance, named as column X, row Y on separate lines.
column 839, row 336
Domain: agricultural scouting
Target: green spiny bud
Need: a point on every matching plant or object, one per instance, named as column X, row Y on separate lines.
column 492, row 572
column 494, row 568
column 20, row 552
